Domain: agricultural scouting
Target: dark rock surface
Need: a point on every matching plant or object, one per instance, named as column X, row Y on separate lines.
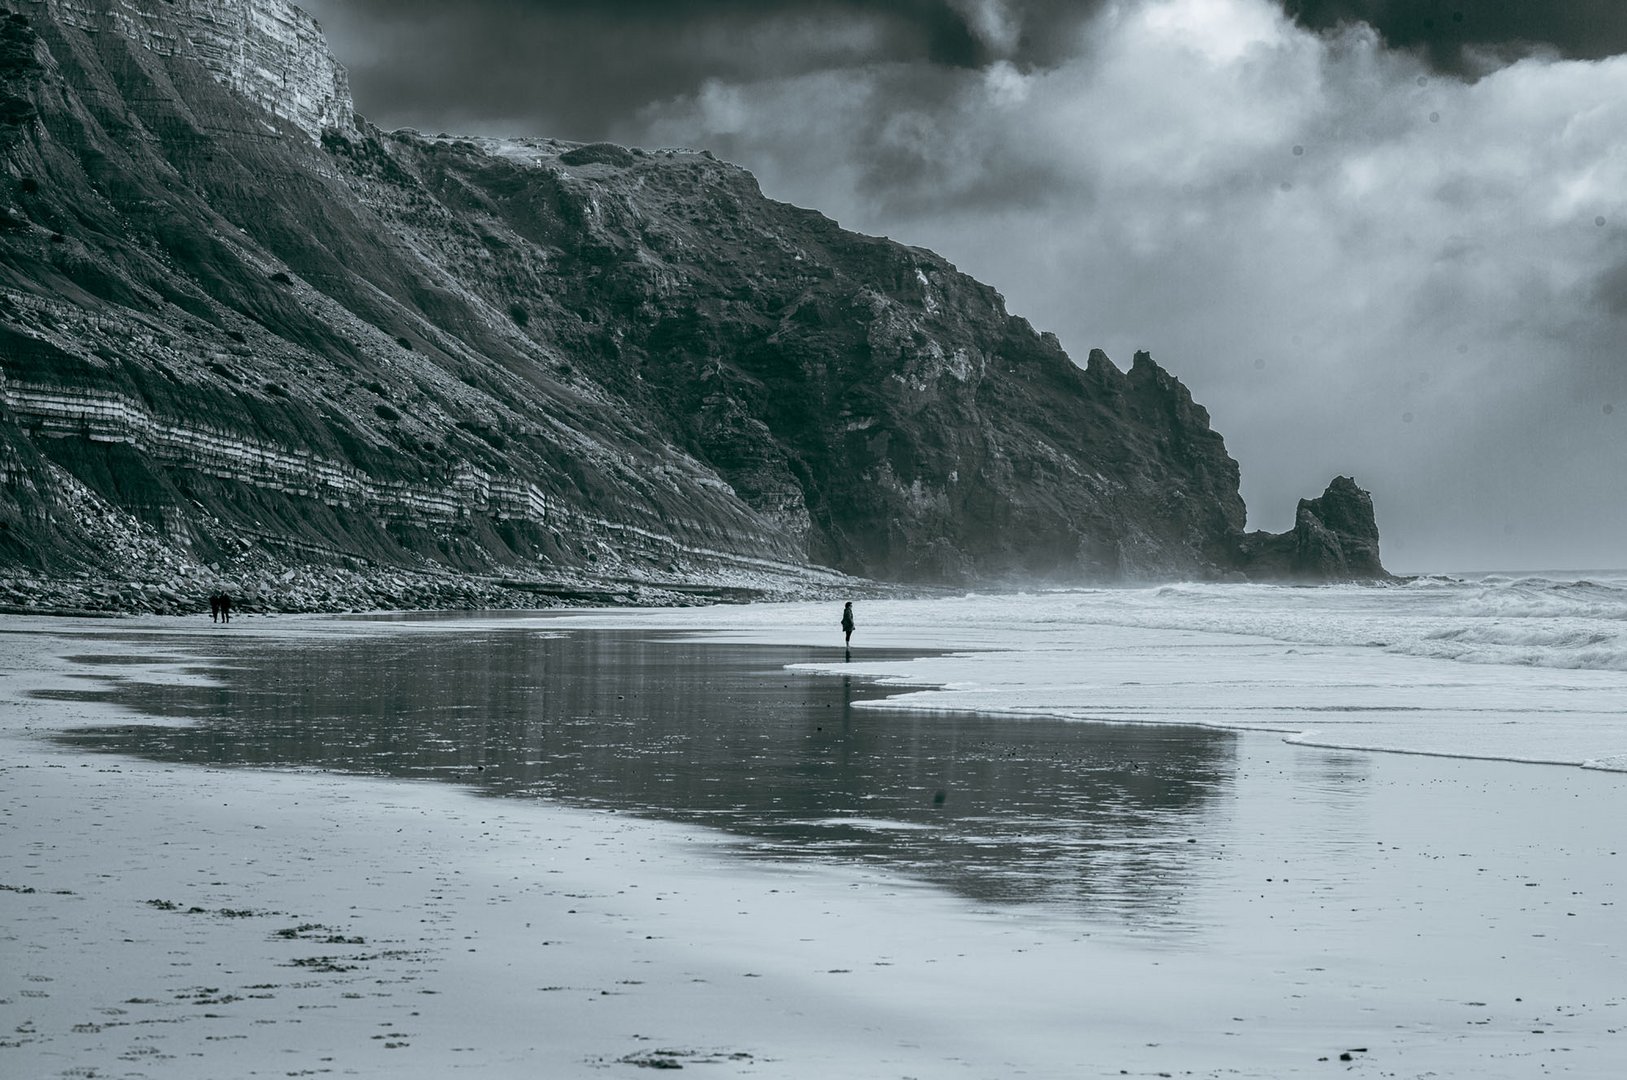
column 244, row 331
column 1334, row 538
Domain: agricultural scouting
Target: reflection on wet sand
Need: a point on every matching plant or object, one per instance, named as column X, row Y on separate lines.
column 1001, row 810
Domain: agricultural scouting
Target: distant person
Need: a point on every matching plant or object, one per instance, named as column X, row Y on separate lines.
column 214, row 607
column 847, row 624
column 225, row 606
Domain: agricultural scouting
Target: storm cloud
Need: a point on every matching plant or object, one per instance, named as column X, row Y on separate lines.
column 1472, row 37
column 580, row 68
column 1370, row 244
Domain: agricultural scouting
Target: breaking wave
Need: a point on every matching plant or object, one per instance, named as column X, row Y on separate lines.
column 1539, row 620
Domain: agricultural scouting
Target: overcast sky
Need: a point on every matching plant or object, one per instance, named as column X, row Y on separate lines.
column 1375, row 237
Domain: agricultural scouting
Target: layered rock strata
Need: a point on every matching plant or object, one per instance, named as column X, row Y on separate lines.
column 270, row 52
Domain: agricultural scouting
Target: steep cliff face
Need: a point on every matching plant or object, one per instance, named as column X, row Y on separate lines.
column 254, row 323
column 270, row 52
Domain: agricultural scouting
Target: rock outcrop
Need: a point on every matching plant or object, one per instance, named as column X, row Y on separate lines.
column 262, row 332
column 270, row 52
column 1334, row 538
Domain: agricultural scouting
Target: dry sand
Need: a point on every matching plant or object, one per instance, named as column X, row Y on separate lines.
column 1417, row 917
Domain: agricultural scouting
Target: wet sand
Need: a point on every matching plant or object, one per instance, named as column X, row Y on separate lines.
column 1422, row 916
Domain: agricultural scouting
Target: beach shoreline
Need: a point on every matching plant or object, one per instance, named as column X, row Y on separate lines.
column 1424, row 917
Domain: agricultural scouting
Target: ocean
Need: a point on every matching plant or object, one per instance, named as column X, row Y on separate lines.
column 1518, row 667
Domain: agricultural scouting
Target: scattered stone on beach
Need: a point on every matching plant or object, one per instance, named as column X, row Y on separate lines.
column 674, row 1059
column 259, row 585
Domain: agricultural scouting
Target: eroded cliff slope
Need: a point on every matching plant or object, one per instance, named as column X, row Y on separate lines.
column 240, row 321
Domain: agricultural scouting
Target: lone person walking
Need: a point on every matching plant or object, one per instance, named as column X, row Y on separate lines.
column 847, row 624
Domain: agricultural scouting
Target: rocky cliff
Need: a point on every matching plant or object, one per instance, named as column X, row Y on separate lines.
column 1334, row 538
column 241, row 327
column 270, row 52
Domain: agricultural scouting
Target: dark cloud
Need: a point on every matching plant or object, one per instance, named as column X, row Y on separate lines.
column 564, row 68
column 1610, row 291
column 577, row 70
column 1469, row 37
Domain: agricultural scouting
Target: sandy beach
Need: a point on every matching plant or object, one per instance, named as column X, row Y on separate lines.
column 1359, row 913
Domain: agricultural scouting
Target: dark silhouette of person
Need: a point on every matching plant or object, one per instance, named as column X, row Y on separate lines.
column 214, row 607
column 225, row 606
column 847, row 625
